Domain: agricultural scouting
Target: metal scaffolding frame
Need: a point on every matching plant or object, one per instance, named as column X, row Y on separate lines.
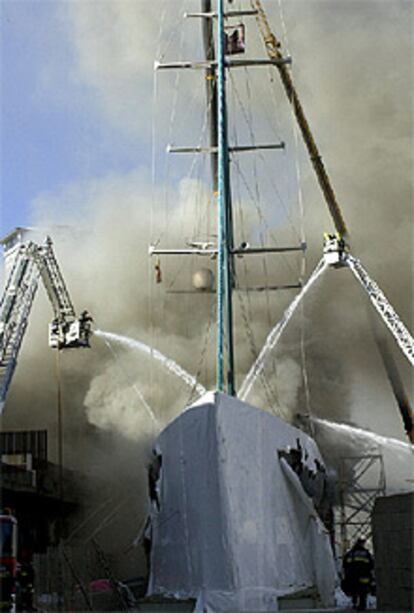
column 361, row 481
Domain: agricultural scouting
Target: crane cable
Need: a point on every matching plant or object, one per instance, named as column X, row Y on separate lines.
column 302, row 274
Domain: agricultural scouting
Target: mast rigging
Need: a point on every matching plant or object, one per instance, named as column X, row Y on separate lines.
column 273, row 46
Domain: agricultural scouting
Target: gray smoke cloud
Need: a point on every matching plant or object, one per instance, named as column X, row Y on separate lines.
column 353, row 70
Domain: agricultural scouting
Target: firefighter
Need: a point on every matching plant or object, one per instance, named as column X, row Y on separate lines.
column 358, row 568
column 85, row 317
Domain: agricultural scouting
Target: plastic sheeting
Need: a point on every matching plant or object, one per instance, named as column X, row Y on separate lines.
column 235, row 529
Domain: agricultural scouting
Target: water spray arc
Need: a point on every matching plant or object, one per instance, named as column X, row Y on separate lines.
column 138, row 392
column 276, row 332
column 370, row 437
column 168, row 363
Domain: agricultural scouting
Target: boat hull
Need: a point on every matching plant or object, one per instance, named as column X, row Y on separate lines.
column 234, row 528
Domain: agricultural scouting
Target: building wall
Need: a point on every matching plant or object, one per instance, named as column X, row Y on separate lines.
column 393, row 532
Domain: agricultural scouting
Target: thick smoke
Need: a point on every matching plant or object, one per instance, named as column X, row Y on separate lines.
column 353, row 69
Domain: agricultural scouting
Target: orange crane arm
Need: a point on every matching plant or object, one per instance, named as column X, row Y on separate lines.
column 394, row 378
column 273, row 50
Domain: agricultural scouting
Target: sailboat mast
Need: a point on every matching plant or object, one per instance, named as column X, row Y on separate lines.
column 219, row 150
column 224, row 222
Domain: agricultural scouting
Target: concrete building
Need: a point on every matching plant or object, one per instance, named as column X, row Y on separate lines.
column 393, row 532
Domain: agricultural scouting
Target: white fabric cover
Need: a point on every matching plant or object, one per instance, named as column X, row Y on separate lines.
column 235, row 529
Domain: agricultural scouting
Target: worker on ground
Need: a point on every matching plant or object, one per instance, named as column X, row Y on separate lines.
column 358, row 568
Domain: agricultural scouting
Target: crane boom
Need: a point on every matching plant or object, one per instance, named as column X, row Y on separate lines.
column 397, row 386
column 34, row 262
column 273, row 50
column 211, row 87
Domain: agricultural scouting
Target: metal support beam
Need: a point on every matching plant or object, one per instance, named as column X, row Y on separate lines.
column 261, row 250
column 233, row 63
column 214, row 251
column 235, row 149
column 222, row 269
column 266, row 288
column 237, row 288
column 213, row 14
column 189, row 251
column 224, row 221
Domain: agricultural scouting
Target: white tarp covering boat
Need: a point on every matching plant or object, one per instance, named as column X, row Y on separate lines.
column 232, row 525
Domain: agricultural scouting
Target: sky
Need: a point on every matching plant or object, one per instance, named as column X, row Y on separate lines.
column 77, row 93
column 53, row 129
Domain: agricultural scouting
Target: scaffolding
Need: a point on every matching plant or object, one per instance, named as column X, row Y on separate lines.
column 361, row 482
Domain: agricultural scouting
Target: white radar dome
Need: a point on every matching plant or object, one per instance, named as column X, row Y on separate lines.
column 203, row 279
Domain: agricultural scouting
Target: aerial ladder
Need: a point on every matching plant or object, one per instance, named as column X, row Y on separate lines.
column 34, row 262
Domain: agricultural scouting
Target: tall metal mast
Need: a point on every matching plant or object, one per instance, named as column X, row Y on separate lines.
column 215, row 66
column 224, row 222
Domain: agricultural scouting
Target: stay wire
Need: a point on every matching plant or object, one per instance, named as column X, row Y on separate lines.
column 260, row 213
column 256, row 200
column 271, row 395
column 203, row 353
column 190, row 174
column 303, row 354
column 258, row 197
column 269, row 172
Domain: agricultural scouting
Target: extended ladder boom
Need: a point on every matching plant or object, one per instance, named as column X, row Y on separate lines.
column 66, row 330
column 273, row 49
column 384, row 308
column 336, row 254
column 53, row 281
column 15, row 307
